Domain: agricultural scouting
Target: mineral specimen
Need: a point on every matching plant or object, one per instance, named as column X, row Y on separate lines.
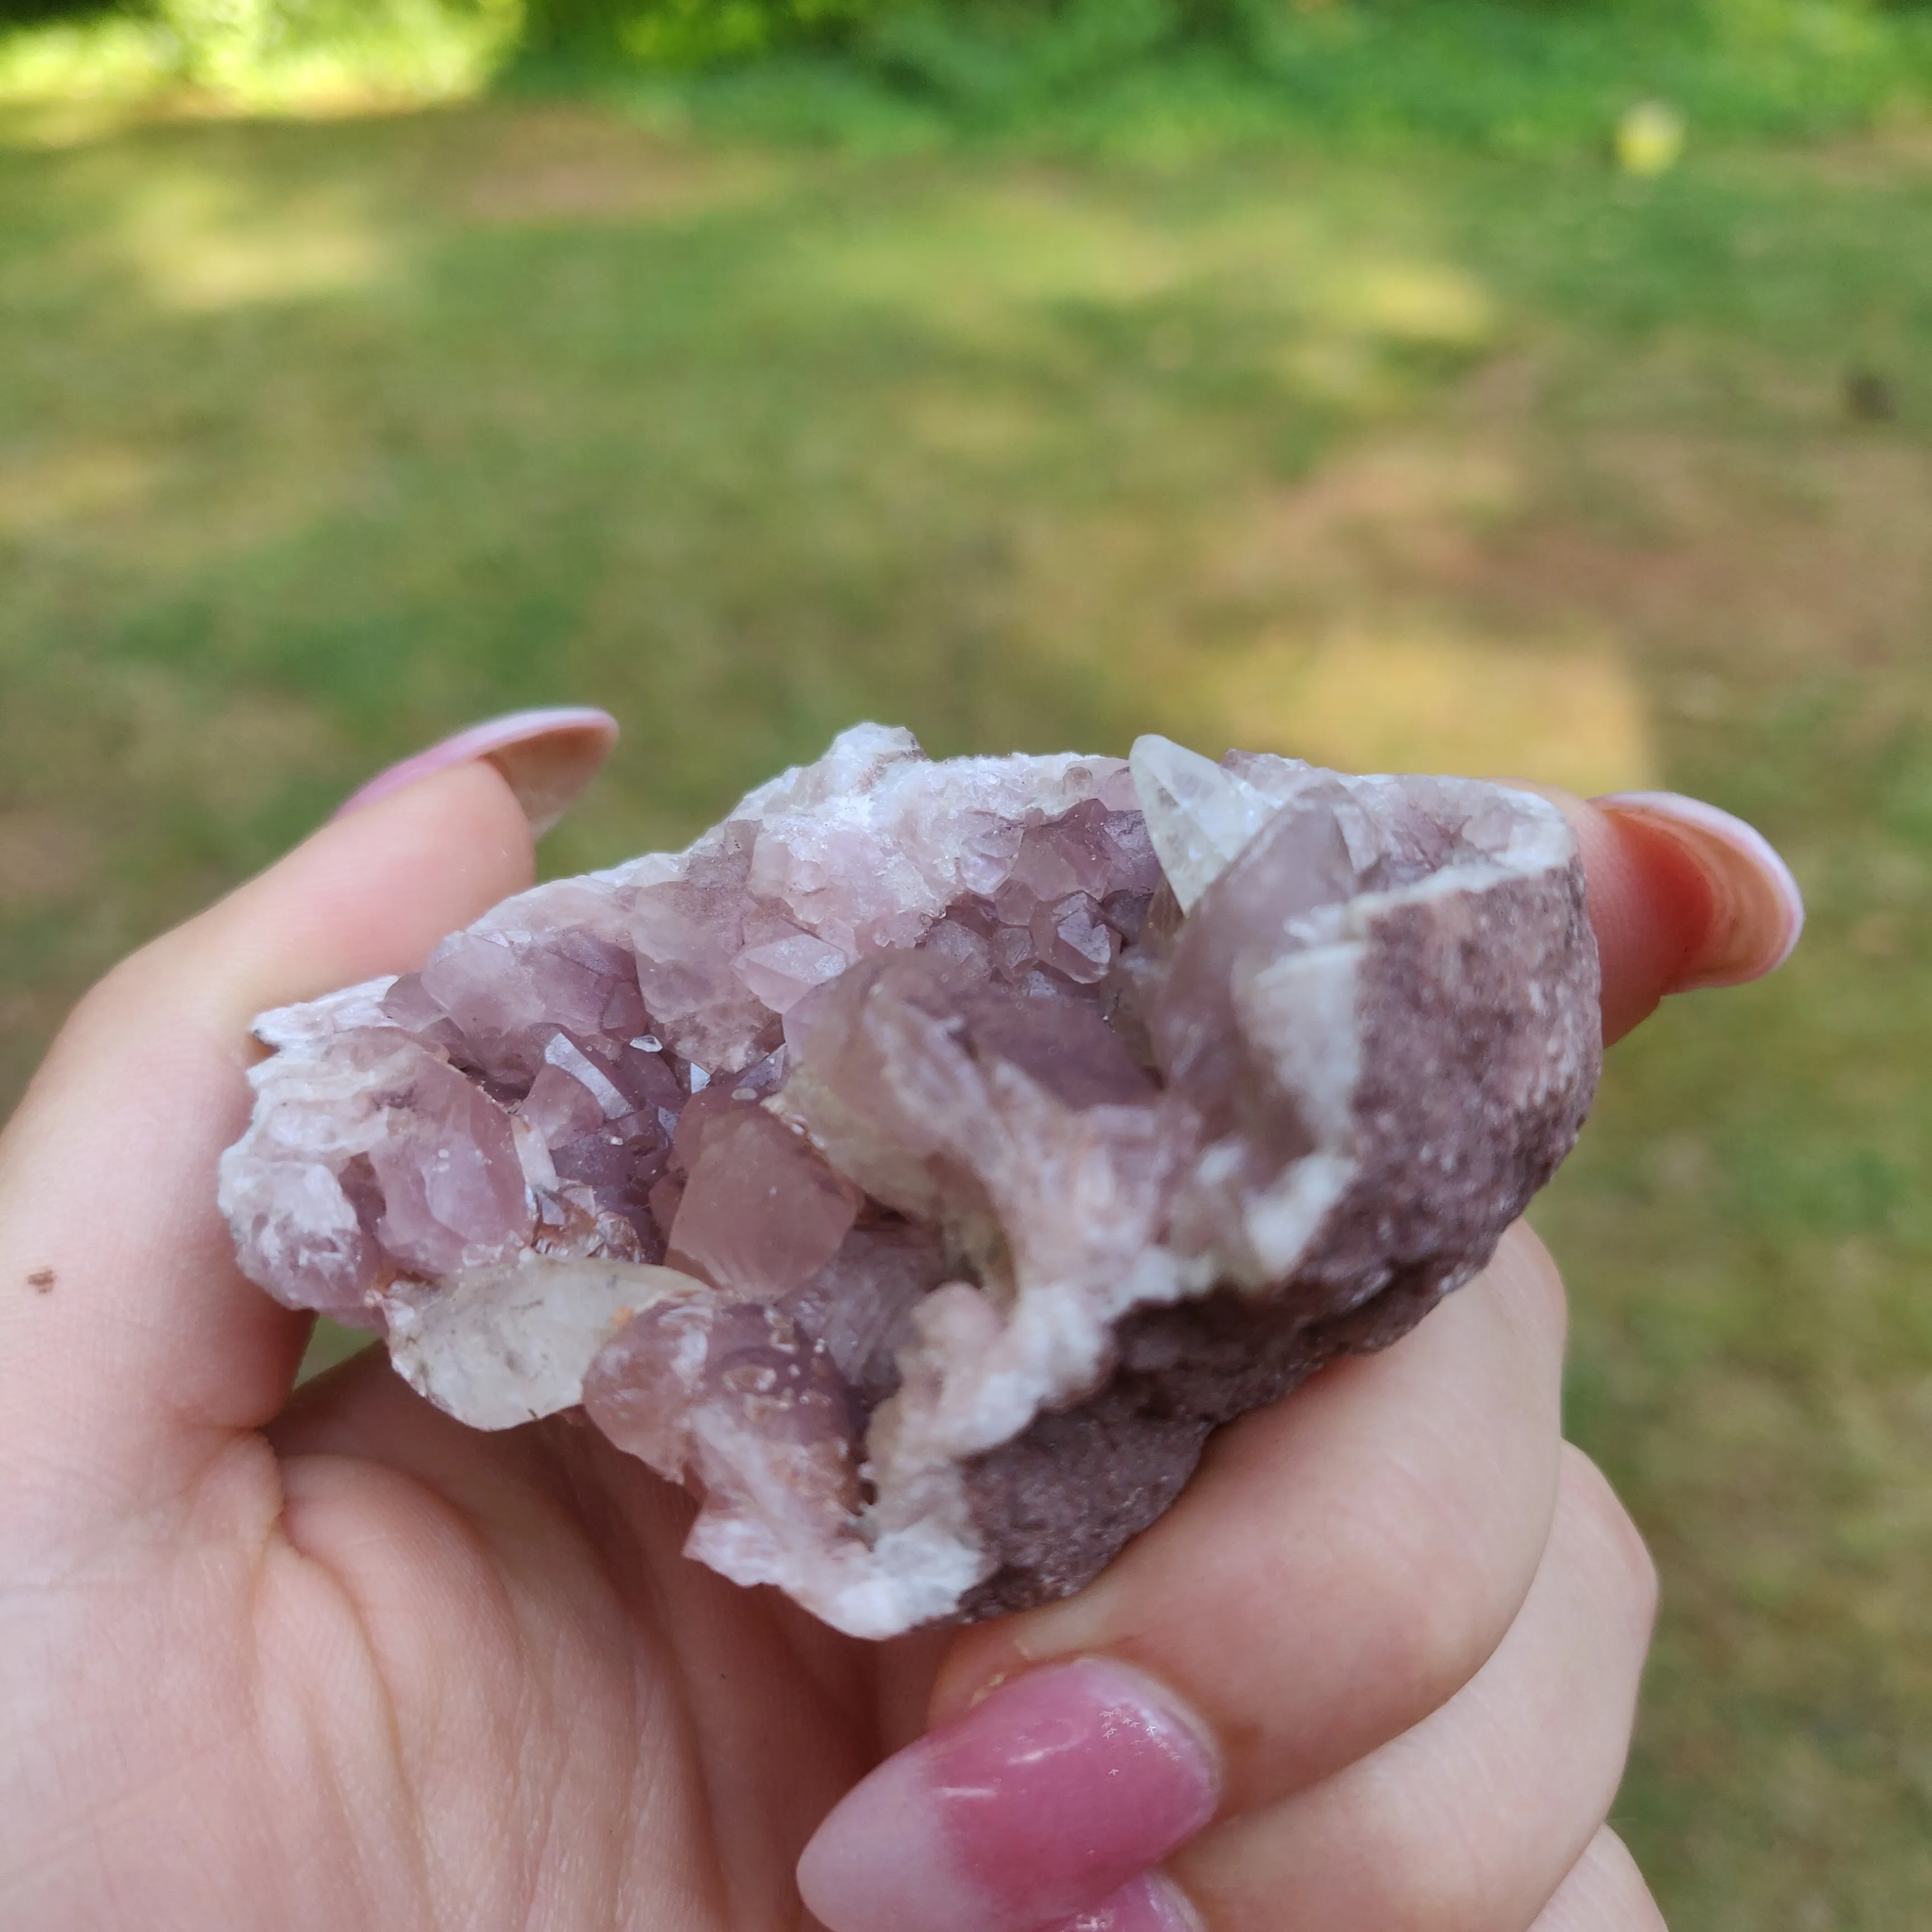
column 923, row 1164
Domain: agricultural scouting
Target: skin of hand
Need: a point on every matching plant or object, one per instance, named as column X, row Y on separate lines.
column 336, row 1661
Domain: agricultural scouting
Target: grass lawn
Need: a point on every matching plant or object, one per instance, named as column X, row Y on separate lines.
column 316, row 440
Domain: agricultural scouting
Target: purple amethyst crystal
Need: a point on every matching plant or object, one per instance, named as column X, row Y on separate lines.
column 925, row 1163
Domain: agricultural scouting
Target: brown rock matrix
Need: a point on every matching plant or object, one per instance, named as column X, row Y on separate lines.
column 923, row 1164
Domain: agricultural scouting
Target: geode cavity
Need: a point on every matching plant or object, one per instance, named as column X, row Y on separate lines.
column 924, row 1163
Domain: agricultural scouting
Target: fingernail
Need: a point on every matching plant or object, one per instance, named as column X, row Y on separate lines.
column 1151, row 1903
column 1043, row 1802
column 547, row 757
column 1757, row 909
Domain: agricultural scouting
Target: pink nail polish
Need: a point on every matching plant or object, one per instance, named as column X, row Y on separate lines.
column 1149, row 1903
column 547, row 757
column 1042, row 1802
column 1757, row 909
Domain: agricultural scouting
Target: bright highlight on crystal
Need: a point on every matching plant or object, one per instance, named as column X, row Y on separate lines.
column 924, row 1164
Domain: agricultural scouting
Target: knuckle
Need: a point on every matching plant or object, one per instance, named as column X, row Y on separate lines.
column 1527, row 1280
column 1445, row 1610
column 1614, row 1544
column 123, row 993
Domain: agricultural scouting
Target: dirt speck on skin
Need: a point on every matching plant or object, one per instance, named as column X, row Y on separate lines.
column 42, row 1280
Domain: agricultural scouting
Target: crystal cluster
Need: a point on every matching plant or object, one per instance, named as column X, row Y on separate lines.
column 925, row 1162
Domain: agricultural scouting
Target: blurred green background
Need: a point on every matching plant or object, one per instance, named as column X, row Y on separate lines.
column 1378, row 382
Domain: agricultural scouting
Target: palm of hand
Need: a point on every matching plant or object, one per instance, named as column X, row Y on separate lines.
column 427, row 1679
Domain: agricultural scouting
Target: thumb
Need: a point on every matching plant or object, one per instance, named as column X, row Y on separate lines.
column 131, row 1348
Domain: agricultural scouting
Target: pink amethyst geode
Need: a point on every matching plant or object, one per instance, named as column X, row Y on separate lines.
column 922, row 1165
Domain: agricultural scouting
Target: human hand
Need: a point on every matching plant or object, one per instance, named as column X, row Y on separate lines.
column 340, row 1662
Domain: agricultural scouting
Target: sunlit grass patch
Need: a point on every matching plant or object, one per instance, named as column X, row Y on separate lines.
column 199, row 242
column 1414, row 695
column 66, row 487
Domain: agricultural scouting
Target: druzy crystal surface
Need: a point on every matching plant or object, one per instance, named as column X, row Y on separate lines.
column 923, row 1164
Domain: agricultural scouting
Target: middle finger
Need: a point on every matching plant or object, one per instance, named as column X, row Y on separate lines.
column 1469, row 1822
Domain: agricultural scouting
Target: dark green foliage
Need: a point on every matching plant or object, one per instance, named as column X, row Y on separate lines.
column 1515, row 75
column 1175, row 76
column 22, row 13
column 969, row 47
column 680, row 35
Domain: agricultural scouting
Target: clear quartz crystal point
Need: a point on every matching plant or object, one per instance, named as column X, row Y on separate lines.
column 1200, row 816
column 498, row 1346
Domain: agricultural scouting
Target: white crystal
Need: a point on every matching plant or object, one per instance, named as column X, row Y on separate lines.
column 499, row 1346
column 1200, row 817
